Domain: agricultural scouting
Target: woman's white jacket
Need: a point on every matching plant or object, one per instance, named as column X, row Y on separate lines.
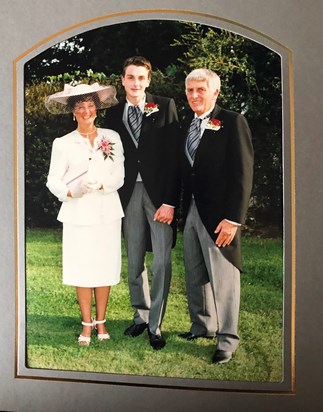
column 97, row 206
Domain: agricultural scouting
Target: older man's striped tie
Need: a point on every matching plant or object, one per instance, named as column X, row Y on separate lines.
column 193, row 137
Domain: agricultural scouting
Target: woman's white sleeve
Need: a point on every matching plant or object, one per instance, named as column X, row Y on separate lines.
column 57, row 169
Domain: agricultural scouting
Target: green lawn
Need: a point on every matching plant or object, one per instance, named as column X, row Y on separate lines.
column 53, row 320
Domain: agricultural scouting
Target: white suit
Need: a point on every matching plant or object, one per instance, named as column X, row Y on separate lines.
column 91, row 223
column 69, row 151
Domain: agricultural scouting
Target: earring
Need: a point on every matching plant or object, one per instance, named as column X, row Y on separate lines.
column 74, row 117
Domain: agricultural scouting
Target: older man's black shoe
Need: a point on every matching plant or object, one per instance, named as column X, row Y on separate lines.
column 135, row 330
column 192, row 336
column 156, row 341
column 221, row 356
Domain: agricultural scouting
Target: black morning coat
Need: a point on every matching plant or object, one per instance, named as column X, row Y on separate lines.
column 221, row 176
column 157, row 155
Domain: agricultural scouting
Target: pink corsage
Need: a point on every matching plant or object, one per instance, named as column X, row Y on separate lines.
column 150, row 108
column 214, row 124
column 105, row 145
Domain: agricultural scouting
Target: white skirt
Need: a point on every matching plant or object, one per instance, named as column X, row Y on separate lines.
column 92, row 254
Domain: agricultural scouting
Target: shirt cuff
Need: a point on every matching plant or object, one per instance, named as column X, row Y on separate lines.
column 233, row 223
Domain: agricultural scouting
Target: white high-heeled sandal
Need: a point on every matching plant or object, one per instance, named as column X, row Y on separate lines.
column 101, row 336
column 85, row 339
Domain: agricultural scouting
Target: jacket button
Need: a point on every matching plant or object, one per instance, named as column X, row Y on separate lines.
column 139, row 161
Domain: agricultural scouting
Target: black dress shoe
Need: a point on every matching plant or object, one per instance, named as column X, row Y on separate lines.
column 135, row 330
column 156, row 341
column 221, row 356
column 191, row 336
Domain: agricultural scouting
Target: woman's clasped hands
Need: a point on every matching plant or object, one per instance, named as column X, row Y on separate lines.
column 84, row 187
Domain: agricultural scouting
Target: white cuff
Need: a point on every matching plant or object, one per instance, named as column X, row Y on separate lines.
column 233, row 223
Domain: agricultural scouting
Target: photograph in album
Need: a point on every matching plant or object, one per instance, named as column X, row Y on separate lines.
column 251, row 76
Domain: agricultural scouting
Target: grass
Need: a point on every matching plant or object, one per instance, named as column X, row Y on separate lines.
column 53, row 320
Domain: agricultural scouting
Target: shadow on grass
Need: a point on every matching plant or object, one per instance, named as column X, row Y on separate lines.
column 52, row 344
column 56, row 331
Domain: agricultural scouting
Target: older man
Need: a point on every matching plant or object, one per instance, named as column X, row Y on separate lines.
column 217, row 176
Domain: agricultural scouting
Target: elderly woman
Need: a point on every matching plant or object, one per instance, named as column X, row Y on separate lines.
column 86, row 170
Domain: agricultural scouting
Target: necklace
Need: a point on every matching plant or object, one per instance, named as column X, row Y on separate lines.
column 88, row 133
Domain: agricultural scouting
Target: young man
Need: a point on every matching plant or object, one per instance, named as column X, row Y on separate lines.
column 147, row 125
column 217, row 159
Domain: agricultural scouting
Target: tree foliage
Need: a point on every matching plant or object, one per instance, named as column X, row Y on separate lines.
column 104, row 49
column 251, row 83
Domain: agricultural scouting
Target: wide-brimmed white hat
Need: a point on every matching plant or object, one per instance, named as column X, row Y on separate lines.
column 57, row 103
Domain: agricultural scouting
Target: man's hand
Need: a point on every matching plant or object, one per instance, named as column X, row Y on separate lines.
column 164, row 214
column 226, row 232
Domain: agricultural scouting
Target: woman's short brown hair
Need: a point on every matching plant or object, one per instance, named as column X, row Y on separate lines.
column 73, row 100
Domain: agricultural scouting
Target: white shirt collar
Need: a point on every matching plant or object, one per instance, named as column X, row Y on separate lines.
column 141, row 104
column 204, row 115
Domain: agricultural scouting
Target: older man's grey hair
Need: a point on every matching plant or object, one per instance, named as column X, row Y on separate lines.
column 212, row 79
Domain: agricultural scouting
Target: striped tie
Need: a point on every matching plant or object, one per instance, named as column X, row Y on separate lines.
column 193, row 137
column 134, row 121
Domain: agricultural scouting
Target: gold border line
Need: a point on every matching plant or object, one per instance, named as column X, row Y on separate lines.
column 134, row 12
column 293, row 218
